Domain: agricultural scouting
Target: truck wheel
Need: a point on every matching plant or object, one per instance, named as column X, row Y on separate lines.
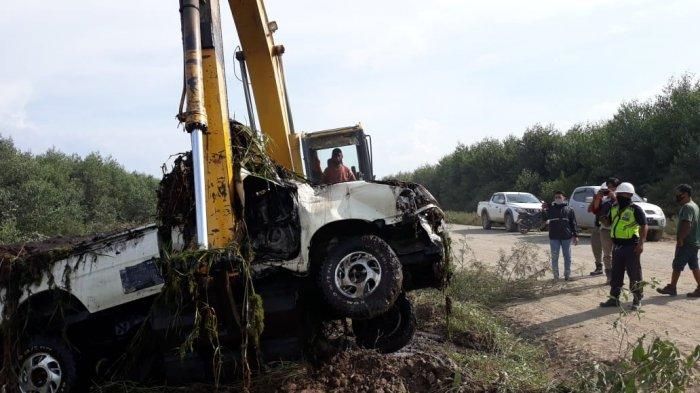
column 388, row 332
column 485, row 221
column 361, row 277
column 655, row 235
column 510, row 224
column 47, row 365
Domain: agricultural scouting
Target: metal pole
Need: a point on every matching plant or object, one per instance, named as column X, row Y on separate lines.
column 279, row 51
column 196, row 116
column 246, row 89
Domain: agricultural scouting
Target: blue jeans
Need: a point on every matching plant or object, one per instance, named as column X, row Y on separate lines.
column 565, row 245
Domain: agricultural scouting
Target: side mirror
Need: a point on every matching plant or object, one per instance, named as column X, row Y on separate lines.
column 589, row 199
column 645, row 199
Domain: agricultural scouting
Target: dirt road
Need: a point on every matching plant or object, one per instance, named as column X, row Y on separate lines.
column 570, row 316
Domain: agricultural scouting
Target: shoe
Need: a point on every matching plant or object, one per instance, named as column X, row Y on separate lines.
column 671, row 290
column 695, row 293
column 607, row 276
column 567, row 278
column 611, row 302
column 598, row 271
column 636, row 305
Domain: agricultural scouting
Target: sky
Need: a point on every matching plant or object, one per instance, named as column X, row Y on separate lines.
column 421, row 76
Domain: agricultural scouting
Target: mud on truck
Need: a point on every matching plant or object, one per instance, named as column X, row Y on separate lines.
column 142, row 301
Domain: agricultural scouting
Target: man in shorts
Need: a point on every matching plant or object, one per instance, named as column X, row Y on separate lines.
column 687, row 241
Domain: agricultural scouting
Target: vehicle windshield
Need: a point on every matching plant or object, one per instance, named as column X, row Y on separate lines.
column 637, row 198
column 522, row 197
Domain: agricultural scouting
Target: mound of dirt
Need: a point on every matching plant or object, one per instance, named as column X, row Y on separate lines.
column 367, row 371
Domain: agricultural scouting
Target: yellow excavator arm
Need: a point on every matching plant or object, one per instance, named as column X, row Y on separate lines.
column 264, row 62
column 207, row 114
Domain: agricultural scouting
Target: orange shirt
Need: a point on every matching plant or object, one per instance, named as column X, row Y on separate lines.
column 337, row 174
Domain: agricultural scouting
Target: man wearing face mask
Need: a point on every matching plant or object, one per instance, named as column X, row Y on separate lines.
column 562, row 230
column 628, row 229
column 687, row 241
column 602, row 211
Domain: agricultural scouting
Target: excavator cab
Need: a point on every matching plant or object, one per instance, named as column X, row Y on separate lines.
column 356, row 146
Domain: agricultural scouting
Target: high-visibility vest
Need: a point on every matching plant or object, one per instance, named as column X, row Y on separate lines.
column 624, row 226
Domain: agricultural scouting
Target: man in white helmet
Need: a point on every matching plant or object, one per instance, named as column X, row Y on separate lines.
column 628, row 229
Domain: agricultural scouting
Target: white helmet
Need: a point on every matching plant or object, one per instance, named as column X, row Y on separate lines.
column 625, row 188
column 604, row 186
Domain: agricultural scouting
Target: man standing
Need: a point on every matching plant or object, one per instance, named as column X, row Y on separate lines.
column 336, row 171
column 562, row 229
column 628, row 229
column 687, row 241
column 601, row 243
column 603, row 213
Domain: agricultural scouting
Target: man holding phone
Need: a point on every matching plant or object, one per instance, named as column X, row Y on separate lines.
column 603, row 244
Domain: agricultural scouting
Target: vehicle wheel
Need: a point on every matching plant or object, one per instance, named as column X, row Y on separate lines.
column 655, row 235
column 510, row 224
column 47, row 365
column 388, row 332
column 485, row 221
column 361, row 277
column 523, row 229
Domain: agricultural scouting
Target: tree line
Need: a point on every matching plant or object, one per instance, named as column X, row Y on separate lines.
column 654, row 144
column 59, row 194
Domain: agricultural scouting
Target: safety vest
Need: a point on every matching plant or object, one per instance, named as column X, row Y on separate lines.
column 624, row 226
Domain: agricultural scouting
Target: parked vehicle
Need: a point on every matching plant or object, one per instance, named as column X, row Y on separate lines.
column 506, row 207
column 581, row 197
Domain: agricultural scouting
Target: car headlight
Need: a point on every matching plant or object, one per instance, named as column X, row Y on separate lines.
column 520, row 210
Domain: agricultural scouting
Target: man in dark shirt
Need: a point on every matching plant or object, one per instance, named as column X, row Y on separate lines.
column 628, row 229
column 562, row 231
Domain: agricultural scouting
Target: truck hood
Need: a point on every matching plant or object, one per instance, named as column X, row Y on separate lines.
column 537, row 206
column 649, row 207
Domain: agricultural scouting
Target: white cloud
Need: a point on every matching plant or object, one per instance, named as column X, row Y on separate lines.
column 14, row 99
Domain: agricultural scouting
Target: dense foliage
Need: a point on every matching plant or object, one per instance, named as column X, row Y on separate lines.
column 58, row 194
column 655, row 145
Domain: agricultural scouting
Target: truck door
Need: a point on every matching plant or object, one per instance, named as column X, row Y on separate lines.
column 579, row 203
column 497, row 207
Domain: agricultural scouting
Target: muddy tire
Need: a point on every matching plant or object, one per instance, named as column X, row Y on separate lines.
column 510, row 223
column 655, row 235
column 523, row 229
column 361, row 277
column 485, row 221
column 47, row 364
column 388, row 332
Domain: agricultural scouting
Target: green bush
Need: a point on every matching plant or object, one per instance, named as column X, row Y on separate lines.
column 58, row 194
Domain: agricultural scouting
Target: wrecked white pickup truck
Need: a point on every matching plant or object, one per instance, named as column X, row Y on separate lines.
column 347, row 250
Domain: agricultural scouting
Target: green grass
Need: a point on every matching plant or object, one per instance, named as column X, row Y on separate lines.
column 490, row 356
column 462, row 218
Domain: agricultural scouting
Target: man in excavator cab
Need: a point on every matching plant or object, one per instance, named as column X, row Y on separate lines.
column 337, row 172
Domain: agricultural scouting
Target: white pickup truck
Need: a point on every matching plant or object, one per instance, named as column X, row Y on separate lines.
column 358, row 246
column 582, row 197
column 504, row 207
